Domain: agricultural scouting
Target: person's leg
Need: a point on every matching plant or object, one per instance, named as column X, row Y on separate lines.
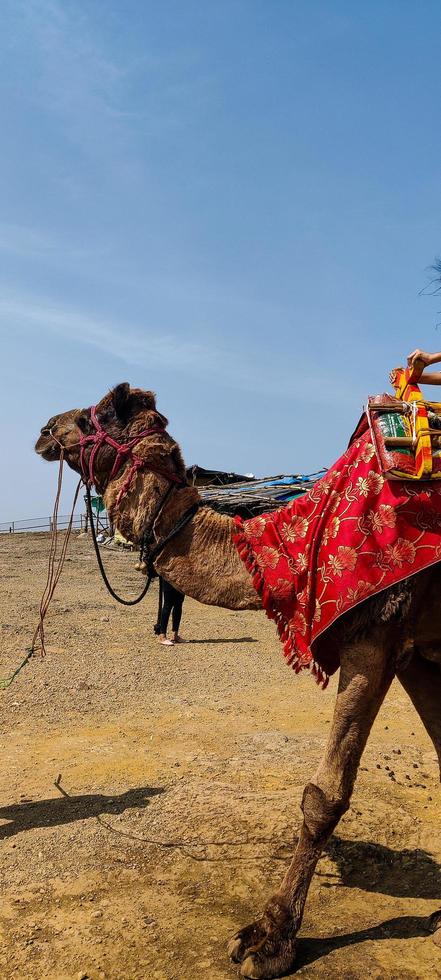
column 167, row 605
column 177, row 615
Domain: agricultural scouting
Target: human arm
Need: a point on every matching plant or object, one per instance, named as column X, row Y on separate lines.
column 428, row 377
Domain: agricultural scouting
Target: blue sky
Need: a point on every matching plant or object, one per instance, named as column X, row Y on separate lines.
column 233, row 203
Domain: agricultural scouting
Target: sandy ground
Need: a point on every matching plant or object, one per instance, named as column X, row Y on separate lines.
column 184, row 770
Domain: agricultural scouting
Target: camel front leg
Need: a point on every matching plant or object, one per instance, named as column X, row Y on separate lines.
column 266, row 948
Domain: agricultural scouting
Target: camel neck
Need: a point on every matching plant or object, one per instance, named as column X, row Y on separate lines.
column 135, row 512
column 201, row 560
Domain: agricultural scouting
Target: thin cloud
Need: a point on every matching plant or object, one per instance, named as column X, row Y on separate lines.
column 239, row 368
column 21, row 240
column 124, row 343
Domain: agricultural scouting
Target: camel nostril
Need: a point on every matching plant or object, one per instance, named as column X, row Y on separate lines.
column 45, row 431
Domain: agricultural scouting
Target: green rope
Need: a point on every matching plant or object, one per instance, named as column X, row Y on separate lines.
column 7, row 681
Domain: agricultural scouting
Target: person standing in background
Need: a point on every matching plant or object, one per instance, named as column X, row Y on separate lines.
column 171, row 602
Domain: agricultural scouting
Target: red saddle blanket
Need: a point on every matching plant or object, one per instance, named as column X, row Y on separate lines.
column 351, row 536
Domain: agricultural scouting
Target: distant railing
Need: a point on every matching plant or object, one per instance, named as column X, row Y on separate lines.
column 41, row 524
column 80, row 522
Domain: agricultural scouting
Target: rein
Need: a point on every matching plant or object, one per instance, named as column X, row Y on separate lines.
column 152, row 554
column 56, row 562
column 125, row 450
column 55, row 568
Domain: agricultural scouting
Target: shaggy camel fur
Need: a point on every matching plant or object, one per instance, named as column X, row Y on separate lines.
column 396, row 633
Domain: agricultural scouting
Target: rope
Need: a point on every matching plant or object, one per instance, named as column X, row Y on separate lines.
column 124, row 602
column 56, row 564
column 183, row 844
column 7, row 681
column 152, row 555
column 54, row 570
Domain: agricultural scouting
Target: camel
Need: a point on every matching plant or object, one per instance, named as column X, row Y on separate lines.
column 396, row 633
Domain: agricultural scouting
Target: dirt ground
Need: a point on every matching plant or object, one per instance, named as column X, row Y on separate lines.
column 182, row 771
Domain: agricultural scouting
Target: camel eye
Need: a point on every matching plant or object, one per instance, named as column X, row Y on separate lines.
column 83, row 423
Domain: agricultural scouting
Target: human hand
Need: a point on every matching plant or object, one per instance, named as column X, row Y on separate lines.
column 419, row 355
column 393, row 375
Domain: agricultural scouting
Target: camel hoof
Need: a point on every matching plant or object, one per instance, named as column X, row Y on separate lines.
column 244, row 939
column 250, row 969
column 233, row 950
column 267, row 948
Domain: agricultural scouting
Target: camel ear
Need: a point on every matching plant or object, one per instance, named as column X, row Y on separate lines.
column 121, row 400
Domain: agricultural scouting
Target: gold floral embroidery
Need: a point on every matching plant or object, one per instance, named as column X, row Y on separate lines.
column 317, row 612
column 268, row 558
column 400, row 553
column 372, row 483
column 331, row 529
column 298, row 623
column 361, row 591
column 301, row 562
column 334, row 501
column 377, row 520
column 254, row 527
column 284, row 588
column 367, row 453
column 296, row 528
column 344, row 561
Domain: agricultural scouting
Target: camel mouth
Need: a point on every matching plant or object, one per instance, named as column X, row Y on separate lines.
column 47, row 449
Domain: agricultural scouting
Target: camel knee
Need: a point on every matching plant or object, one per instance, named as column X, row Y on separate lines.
column 321, row 814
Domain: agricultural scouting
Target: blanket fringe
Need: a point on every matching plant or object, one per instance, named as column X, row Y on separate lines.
column 289, row 648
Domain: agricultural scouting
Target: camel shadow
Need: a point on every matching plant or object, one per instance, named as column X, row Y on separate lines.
column 402, row 927
column 68, row 809
column 231, row 639
column 375, row 868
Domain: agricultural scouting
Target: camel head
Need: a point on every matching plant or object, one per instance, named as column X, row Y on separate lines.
column 60, row 432
column 123, row 414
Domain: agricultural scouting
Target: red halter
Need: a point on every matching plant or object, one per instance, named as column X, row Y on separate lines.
column 123, row 450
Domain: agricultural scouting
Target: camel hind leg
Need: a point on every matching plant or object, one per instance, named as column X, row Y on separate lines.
column 422, row 682
column 266, row 948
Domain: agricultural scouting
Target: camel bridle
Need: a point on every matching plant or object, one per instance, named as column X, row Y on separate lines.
column 124, row 450
column 149, row 551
